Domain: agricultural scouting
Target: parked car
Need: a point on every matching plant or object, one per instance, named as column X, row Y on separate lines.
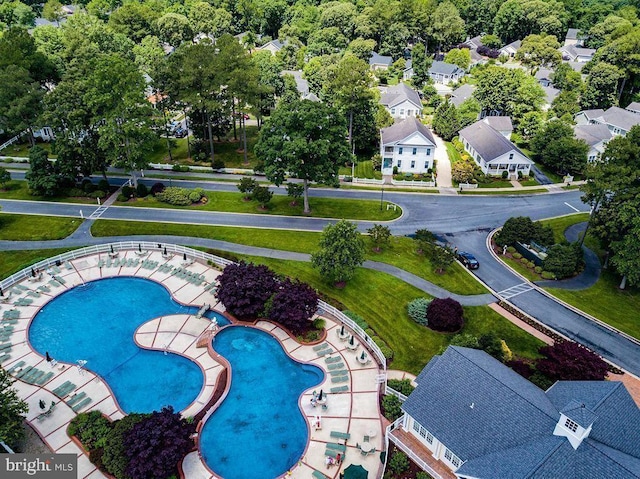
column 468, row 260
column 180, row 133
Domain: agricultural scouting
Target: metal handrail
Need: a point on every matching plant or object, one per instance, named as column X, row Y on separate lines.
column 406, row 449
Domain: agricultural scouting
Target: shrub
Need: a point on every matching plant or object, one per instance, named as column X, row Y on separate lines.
column 517, row 256
column 492, row 345
column 180, row 168
column 246, row 186
column 115, row 459
column 417, row 310
column 465, row 340
column 142, row 190
column 423, row 475
column 538, row 269
column 522, row 368
column 563, row 260
column 88, row 186
column 387, row 352
column 194, row 196
column 531, row 265
column 156, row 444
column 395, row 170
column 540, row 380
column 174, row 196
column 569, row 361
column 295, row 191
column 103, row 185
column 217, row 164
column 262, row 195
column 75, row 192
column 356, row 318
column 122, row 198
column 391, row 407
column 398, row 463
column 245, row 288
column 128, row 191
column 370, row 332
column 96, row 194
column 157, row 188
column 511, row 249
column 548, row 275
column 522, row 229
column 445, row 315
column 91, row 428
column 505, row 175
column 293, row 305
column 401, row 385
column 524, row 261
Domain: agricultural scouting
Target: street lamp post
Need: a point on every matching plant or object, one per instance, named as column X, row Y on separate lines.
column 381, row 196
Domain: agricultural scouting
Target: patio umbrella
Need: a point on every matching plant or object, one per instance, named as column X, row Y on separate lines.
column 351, row 340
column 48, row 358
column 342, row 330
column 139, row 248
column 363, row 356
column 33, row 272
column 184, row 256
column 355, row 472
column 1, row 293
column 320, row 396
column 112, row 248
column 164, row 252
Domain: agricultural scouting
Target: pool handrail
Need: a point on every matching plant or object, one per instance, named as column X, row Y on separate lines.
column 219, row 262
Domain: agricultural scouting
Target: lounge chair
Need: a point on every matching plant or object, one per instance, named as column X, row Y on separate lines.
column 318, row 475
column 15, row 367
column 340, row 389
column 339, row 372
column 76, row 398
column 340, row 379
column 5, row 356
column 44, row 378
column 332, row 360
column 337, row 447
column 24, row 371
column 81, row 404
column 324, row 352
column 68, row 265
column 340, row 435
column 54, row 283
column 334, row 366
column 320, row 347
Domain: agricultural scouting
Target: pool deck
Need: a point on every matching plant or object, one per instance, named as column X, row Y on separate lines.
column 354, row 410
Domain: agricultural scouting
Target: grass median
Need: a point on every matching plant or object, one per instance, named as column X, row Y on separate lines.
column 401, row 251
column 36, row 228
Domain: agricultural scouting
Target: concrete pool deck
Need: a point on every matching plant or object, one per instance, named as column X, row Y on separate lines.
column 354, row 410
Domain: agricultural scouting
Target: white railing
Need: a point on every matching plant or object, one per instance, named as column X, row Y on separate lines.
column 12, row 140
column 367, row 181
column 468, row 186
column 406, row 449
column 177, row 249
column 389, row 390
column 424, row 184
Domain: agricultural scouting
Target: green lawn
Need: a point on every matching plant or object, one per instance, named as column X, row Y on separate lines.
column 36, row 228
column 605, row 301
column 13, row 261
column 381, row 300
column 505, row 192
column 454, row 156
column 520, row 268
column 496, row 184
column 531, row 182
column 401, row 251
column 22, row 149
column 364, row 169
column 281, row 205
column 559, row 225
column 19, row 190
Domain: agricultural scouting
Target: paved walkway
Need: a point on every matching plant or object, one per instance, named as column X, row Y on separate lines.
column 443, row 165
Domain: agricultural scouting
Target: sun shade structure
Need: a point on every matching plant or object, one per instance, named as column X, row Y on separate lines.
column 355, row 471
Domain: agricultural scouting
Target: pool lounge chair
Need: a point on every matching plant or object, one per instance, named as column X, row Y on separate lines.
column 318, row 475
column 4, row 356
column 76, row 398
column 339, row 372
column 340, row 379
column 337, row 447
column 340, row 389
column 334, row 366
column 16, row 367
column 64, row 389
column 324, row 352
column 320, row 347
column 81, row 404
column 340, row 435
column 44, row 378
column 332, row 360
column 24, row 371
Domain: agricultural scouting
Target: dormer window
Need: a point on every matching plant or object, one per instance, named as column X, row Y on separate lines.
column 572, row 426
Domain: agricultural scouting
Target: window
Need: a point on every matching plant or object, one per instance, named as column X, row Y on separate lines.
column 426, row 435
column 572, row 426
column 511, row 156
column 413, row 163
column 401, row 111
column 452, row 458
column 426, row 165
column 428, row 151
column 409, row 112
column 399, row 164
column 393, row 111
column 415, row 150
column 400, row 151
column 388, row 149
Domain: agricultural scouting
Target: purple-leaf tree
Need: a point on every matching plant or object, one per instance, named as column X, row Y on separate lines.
column 156, row 445
column 245, row 288
column 445, row 315
column 569, row 361
column 293, row 305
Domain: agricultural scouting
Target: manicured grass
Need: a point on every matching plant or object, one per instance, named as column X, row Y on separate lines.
column 454, row 156
column 382, row 299
column 559, row 225
column 506, row 192
column 364, row 169
column 520, row 268
column 13, row 261
column 160, row 153
column 401, row 252
column 19, row 190
column 281, row 205
column 553, row 176
column 531, row 182
column 605, row 301
column 36, row 228
column 496, row 184
column 22, row 149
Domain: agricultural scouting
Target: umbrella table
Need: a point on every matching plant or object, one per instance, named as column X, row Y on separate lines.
column 355, row 472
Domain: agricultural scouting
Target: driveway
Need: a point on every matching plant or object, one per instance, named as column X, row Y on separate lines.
column 443, row 165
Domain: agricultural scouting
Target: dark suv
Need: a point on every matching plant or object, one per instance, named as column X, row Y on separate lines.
column 468, row 260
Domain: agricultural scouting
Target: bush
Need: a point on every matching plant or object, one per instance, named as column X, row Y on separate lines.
column 387, row 352
column 548, row 275
column 465, row 340
column 75, row 192
column 103, row 185
column 356, row 318
column 540, row 380
column 524, row 261
column 522, row 229
column 395, row 170
column 96, row 194
column 511, row 249
column 217, row 164
column 157, row 188
column 293, row 305
column 115, row 459
column 246, row 186
column 423, row 475
column 417, row 310
column 569, row 361
column 516, row 256
column 370, row 332
column 91, row 428
column 128, row 191
column 522, row 368
column 492, row 345
column 88, row 186
column 538, row 269
column 174, row 195
column 194, row 196
column 180, row 168
column 142, row 190
column 505, row 175
column 262, row 195
column 398, row 463
column 531, row 265
column 445, row 315
column 122, row 198
column 563, row 260
column 391, row 407
column 245, row 288
column 401, row 385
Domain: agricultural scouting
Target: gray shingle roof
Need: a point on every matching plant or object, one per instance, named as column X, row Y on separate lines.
column 515, row 45
column 405, row 128
column 396, row 94
column 591, row 114
column 621, row 118
column 302, row 85
column 550, row 93
column 543, row 74
column 572, row 34
column 500, row 123
column 377, row 59
column 579, row 413
column 573, row 51
column 633, row 106
column 592, row 134
column 444, row 68
column 460, row 94
column 504, row 404
column 488, row 142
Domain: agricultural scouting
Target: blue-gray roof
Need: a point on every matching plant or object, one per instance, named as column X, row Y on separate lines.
column 579, row 413
column 488, row 142
column 400, row 93
column 377, row 59
column 444, row 68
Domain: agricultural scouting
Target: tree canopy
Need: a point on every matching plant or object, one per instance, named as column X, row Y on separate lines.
column 341, row 252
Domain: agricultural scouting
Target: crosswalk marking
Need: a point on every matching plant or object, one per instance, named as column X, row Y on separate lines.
column 515, row 290
column 98, row 212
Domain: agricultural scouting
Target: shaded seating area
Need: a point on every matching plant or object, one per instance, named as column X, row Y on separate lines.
column 46, row 413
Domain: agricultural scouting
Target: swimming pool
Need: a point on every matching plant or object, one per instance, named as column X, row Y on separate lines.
column 258, row 431
column 96, row 322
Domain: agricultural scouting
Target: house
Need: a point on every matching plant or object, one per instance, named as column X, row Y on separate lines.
column 409, row 146
column 550, row 94
column 634, row 107
column 511, row 49
column 618, row 120
column 576, row 67
column 574, row 53
column 445, row 73
column 401, row 101
column 543, row 75
column 379, row 62
column 407, row 73
column 302, row 85
column 502, row 124
column 596, row 136
column 492, row 151
column 274, row 46
column 462, row 93
column 474, row 43
column 208, row 37
column 472, row 415
column 573, row 38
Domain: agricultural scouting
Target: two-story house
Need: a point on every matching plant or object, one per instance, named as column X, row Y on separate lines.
column 408, row 146
column 595, row 135
column 618, row 120
column 401, row 101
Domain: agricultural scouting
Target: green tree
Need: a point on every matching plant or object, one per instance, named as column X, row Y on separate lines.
column 306, row 140
column 566, row 103
column 607, row 30
column 135, row 20
column 441, row 257
column 174, row 28
column 518, row 18
column 295, row 191
column 420, row 63
column 246, row 186
column 491, row 41
column 459, row 56
column 565, row 78
column 12, row 411
column 601, row 87
column 42, row 176
column 530, row 125
column 5, row 177
column 262, row 195
column 380, row 236
column 563, row 260
column 539, row 50
column 207, row 19
column 149, row 55
column 341, row 252
column 362, row 48
column 20, row 100
column 447, row 28
column 555, row 146
column 270, row 84
column 625, row 255
column 52, row 11
column 446, row 122
column 468, row 112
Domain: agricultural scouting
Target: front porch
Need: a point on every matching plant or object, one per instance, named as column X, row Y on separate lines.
column 410, row 445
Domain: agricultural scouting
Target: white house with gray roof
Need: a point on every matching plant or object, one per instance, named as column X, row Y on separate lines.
column 596, row 136
column 379, row 62
column 618, row 120
column 274, row 46
column 482, row 420
column 462, row 93
column 578, row 54
column 445, row 73
column 492, row 151
column 511, row 49
column 634, row 107
column 408, row 145
column 401, row 101
column 502, row 124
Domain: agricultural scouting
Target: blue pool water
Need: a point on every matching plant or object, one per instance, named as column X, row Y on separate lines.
column 258, row 432
column 97, row 323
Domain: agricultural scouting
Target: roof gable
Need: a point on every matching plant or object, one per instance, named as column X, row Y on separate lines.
column 377, row 59
column 621, row 118
column 592, row 134
column 399, row 93
column 444, row 68
column 489, row 143
column 404, row 129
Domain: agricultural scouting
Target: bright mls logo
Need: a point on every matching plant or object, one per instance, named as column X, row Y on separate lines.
column 46, row 466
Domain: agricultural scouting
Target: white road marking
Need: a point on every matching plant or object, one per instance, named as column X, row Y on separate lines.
column 572, row 207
